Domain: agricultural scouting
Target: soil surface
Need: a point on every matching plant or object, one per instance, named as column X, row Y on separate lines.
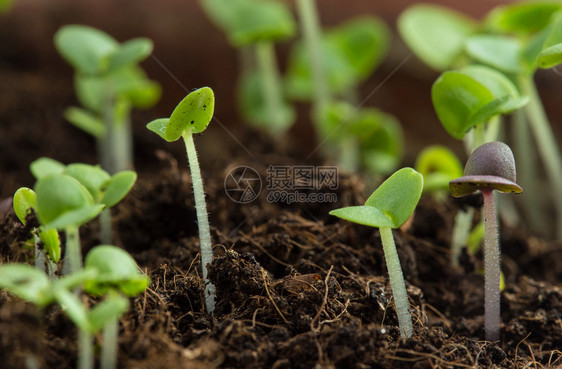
column 296, row 288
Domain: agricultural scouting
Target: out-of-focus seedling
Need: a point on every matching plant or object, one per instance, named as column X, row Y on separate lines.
column 118, row 274
column 439, row 166
column 389, row 207
column 104, row 188
column 108, row 83
column 253, row 26
column 490, row 167
column 63, row 203
column 192, row 115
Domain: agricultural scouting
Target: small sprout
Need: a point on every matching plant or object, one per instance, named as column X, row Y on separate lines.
column 438, row 165
column 197, row 107
column 389, row 207
column 436, row 34
column 64, row 203
column 490, row 167
column 117, row 274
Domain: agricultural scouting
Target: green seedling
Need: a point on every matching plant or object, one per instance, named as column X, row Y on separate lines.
column 24, row 202
column 490, row 167
column 104, row 188
column 192, row 115
column 108, row 83
column 439, row 166
column 253, row 26
column 389, row 207
column 63, row 203
column 363, row 139
column 117, row 275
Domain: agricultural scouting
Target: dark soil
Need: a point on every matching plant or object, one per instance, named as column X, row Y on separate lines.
column 296, row 287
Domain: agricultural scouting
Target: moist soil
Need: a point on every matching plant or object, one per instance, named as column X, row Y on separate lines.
column 296, row 288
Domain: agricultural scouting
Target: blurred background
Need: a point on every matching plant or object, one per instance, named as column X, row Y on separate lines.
column 36, row 84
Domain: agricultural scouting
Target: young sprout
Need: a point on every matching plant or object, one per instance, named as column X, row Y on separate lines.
column 117, row 274
column 192, row 115
column 105, row 189
column 25, row 201
column 108, row 84
column 389, row 207
column 490, row 167
column 63, row 203
column 253, row 26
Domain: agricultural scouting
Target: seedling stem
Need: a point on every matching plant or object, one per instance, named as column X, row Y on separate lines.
column 73, row 254
column 202, row 219
column 397, row 283
column 265, row 52
column 491, row 268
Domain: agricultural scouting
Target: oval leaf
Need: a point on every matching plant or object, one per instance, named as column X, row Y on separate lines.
column 366, row 215
column 25, row 282
column 85, row 120
column 85, row 48
column 500, row 52
column 398, row 196
column 118, row 187
column 193, row 113
column 24, row 200
column 90, row 176
column 436, row 34
column 131, row 52
column 158, row 126
column 551, row 53
column 43, row 167
column 523, row 17
column 106, row 311
column 51, row 243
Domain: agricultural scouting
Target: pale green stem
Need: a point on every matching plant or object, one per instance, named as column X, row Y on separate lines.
column 106, row 233
column 546, row 143
column 461, row 230
column 312, row 34
column 265, row 53
column 86, row 350
column 73, row 254
column 491, row 268
column 202, row 219
column 115, row 149
column 397, row 282
column 110, row 346
column 525, row 157
column 39, row 254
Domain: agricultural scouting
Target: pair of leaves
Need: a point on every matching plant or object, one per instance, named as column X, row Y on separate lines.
column 377, row 136
column 192, row 115
column 472, row 95
column 94, row 52
column 438, row 166
column 251, row 21
column 392, row 203
column 349, row 55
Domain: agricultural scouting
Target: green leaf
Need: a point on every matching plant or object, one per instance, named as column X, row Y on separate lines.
column 43, row 167
column 398, row 196
column 350, row 54
column 91, row 92
column 24, row 200
column 456, row 98
column 158, row 126
column 76, row 217
column 436, row 34
column 131, row 83
column 498, row 84
column 551, row 53
column 60, row 195
column 253, row 105
column 130, row 53
column 193, row 113
column 26, row 282
column 522, row 17
column 90, row 176
column 366, row 215
column 118, row 187
column 438, row 166
column 106, row 311
column 116, row 271
column 85, row 120
column 74, row 309
column 332, row 116
column 250, row 21
column 500, row 52
column 532, row 49
column 71, row 281
column 85, row 48
column 51, row 243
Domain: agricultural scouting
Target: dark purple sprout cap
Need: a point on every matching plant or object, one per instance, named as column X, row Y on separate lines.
column 490, row 165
